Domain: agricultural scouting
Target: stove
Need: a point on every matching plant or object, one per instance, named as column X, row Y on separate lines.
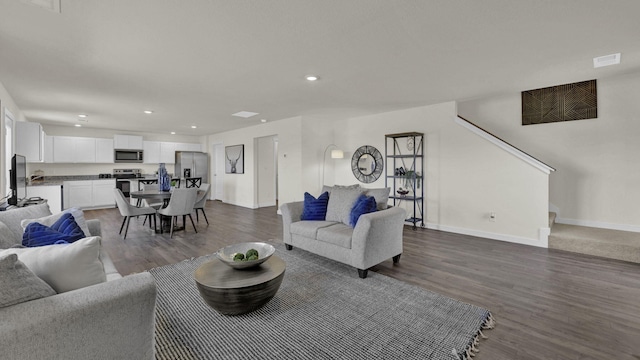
column 123, row 176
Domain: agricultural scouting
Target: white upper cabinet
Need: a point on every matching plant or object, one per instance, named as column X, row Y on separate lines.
column 104, row 151
column 30, row 141
column 151, row 152
column 188, row 147
column 167, row 152
column 67, row 149
column 48, row 148
column 132, row 142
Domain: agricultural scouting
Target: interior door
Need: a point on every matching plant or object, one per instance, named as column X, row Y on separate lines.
column 217, row 165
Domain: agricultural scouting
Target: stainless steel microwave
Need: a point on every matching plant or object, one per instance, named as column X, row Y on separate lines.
column 127, row 156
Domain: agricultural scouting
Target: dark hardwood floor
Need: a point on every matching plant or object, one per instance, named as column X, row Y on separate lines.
column 548, row 304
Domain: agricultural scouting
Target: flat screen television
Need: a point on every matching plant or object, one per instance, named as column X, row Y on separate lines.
column 18, row 179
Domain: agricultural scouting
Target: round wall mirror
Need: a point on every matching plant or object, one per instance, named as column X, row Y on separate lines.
column 367, row 164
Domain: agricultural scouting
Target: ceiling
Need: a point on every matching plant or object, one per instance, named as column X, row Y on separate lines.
column 197, row 62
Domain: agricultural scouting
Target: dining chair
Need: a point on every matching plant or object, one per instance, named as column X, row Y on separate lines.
column 193, row 182
column 201, row 201
column 128, row 211
column 181, row 203
column 142, row 184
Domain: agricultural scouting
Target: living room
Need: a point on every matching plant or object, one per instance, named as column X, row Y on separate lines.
column 356, row 102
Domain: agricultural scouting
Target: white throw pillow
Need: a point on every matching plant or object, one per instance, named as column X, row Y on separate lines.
column 78, row 216
column 64, row 267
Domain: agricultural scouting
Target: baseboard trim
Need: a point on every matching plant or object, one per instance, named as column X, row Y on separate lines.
column 598, row 224
column 541, row 241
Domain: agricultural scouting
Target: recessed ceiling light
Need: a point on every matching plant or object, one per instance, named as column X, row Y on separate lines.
column 606, row 60
column 148, row 111
column 311, row 77
column 193, row 126
column 263, row 120
column 83, row 115
column 78, row 125
column 173, row 133
column 245, row 114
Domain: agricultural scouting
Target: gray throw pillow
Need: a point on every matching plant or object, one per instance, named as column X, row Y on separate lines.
column 7, row 237
column 341, row 202
column 381, row 195
column 18, row 284
column 328, row 189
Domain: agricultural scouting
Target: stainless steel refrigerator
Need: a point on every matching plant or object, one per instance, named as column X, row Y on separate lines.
column 192, row 164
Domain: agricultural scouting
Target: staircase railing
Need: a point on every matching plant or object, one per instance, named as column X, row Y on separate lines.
column 503, row 145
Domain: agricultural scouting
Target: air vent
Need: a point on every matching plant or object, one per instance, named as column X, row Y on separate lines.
column 245, row 114
column 606, row 60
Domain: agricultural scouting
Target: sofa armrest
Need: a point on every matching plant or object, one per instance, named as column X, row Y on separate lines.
column 111, row 320
column 377, row 236
column 291, row 213
column 94, row 227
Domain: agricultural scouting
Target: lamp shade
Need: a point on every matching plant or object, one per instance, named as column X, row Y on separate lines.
column 337, row 154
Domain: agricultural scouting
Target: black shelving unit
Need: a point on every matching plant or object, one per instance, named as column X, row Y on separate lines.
column 405, row 171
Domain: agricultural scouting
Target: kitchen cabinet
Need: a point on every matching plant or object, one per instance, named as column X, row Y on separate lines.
column 168, row 152
column 48, row 148
column 30, row 141
column 151, row 152
column 188, row 147
column 52, row 193
column 132, row 142
column 104, row 151
column 89, row 193
column 67, row 149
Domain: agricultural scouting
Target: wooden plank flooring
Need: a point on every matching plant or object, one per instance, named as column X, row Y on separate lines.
column 548, row 304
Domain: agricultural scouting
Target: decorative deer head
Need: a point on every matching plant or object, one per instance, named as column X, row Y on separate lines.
column 233, row 163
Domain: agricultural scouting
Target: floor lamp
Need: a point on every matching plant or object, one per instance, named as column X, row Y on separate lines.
column 335, row 154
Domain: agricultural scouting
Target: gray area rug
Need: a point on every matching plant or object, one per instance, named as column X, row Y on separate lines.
column 321, row 311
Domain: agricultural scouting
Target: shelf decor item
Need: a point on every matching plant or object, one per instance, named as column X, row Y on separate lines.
column 164, row 181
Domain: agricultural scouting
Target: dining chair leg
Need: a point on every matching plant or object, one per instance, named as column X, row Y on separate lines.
column 127, row 228
column 192, row 223
column 171, row 231
column 197, row 218
column 161, row 227
column 155, row 223
column 203, row 214
column 124, row 219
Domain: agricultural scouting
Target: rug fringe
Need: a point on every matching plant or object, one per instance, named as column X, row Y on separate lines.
column 471, row 349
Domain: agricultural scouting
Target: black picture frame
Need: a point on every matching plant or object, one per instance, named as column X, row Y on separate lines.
column 234, row 159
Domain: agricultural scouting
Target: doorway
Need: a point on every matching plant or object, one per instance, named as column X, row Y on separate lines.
column 217, row 167
column 267, row 170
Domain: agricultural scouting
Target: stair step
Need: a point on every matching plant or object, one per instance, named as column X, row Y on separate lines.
column 552, row 218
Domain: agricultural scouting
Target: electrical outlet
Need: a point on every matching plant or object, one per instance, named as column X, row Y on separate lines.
column 492, row 217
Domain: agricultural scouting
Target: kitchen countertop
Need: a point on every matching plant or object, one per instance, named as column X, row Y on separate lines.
column 58, row 180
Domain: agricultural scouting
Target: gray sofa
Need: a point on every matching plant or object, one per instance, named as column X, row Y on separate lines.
column 110, row 320
column 376, row 237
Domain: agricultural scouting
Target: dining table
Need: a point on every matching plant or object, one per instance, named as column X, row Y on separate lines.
column 158, row 195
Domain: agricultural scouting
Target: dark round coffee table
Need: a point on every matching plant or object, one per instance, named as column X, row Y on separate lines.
column 233, row 292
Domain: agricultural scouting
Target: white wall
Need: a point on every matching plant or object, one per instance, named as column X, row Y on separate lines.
column 6, row 102
column 596, row 182
column 240, row 189
column 266, row 171
column 467, row 177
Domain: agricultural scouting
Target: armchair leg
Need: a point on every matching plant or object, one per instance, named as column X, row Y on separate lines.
column 288, row 247
column 396, row 259
column 363, row 273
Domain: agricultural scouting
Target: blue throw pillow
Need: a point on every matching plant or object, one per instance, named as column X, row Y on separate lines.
column 315, row 209
column 364, row 205
column 63, row 231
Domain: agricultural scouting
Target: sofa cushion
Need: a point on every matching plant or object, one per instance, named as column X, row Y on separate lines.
column 328, row 189
column 13, row 218
column 381, row 195
column 341, row 202
column 78, row 216
column 315, row 209
column 309, row 229
column 65, row 230
column 364, row 205
column 64, row 267
column 336, row 234
column 7, row 237
column 19, row 284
